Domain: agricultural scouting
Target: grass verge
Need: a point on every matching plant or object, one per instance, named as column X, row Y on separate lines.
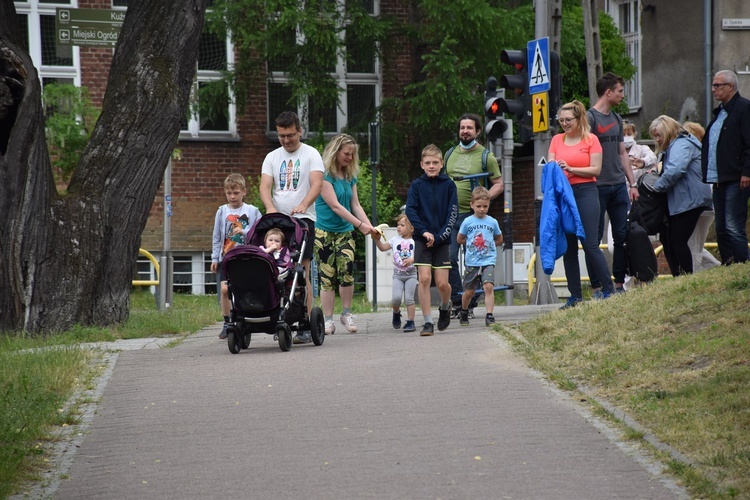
column 36, row 381
column 675, row 356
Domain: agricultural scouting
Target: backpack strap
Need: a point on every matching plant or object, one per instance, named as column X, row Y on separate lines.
column 444, row 170
column 485, row 156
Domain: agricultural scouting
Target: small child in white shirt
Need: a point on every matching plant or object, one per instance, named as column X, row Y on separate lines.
column 404, row 273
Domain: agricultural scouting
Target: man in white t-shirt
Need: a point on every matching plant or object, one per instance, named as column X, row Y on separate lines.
column 291, row 180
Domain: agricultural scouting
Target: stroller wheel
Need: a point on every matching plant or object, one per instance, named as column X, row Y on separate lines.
column 285, row 336
column 245, row 335
column 317, row 326
column 233, row 340
column 246, row 340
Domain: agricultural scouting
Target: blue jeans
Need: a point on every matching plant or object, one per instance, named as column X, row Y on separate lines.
column 730, row 206
column 615, row 201
column 587, row 200
column 454, row 277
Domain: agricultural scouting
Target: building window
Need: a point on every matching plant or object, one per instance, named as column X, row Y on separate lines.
column 55, row 62
column 212, row 112
column 357, row 73
column 626, row 14
column 191, row 273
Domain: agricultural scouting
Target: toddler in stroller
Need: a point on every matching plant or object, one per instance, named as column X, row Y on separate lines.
column 263, row 300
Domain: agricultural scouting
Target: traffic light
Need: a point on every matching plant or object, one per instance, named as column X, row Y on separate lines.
column 495, row 125
column 520, row 107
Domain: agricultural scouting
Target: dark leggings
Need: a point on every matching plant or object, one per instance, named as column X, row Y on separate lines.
column 587, row 200
column 674, row 237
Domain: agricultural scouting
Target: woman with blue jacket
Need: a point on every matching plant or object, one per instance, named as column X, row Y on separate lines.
column 579, row 154
column 687, row 195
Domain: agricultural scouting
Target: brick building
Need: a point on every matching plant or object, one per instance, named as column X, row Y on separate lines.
column 210, row 148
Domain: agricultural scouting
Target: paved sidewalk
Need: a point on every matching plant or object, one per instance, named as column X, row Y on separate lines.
column 377, row 414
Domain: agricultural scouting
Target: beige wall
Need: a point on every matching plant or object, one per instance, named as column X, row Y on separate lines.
column 673, row 67
column 732, row 47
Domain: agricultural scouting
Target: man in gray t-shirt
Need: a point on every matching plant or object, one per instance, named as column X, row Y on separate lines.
column 614, row 195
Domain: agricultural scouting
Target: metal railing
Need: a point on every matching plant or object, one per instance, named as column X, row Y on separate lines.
column 532, row 261
column 155, row 262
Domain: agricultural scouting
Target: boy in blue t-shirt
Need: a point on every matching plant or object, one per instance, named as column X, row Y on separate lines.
column 481, row 233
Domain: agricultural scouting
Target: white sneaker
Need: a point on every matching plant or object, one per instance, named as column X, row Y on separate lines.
column 348, row 322
column 330, row 327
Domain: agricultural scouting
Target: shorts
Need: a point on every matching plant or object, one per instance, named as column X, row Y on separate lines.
column 334, row 253
column 439, row 257
column 309, row 239
column 482, row 274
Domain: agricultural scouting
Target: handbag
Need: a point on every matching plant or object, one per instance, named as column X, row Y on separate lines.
column 651, row 208
column 641, row 259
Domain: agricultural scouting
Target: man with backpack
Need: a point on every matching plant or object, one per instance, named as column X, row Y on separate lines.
column 614, row 195
column 468, row 158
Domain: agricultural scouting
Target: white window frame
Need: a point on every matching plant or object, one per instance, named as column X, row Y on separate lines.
column 193, row 130
column 633, row 41
column 33, row 9
column 342, row 77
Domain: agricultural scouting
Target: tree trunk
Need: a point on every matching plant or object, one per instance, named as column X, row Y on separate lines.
column 68, row 259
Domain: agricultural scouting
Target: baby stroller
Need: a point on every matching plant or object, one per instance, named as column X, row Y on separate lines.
column 263, row 298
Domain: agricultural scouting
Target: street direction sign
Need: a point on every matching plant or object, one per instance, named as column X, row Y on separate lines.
column 538, row 65
column 89, row 27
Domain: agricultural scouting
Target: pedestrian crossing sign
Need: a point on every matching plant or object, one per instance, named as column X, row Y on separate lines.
column 538, row 65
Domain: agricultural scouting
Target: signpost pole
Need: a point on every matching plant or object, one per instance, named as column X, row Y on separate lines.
column 543, row 292
column 374, row 160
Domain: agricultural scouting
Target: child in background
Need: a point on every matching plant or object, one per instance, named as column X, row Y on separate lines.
column 404, row 272
column 273, row 244
column 481, row 234
column 432, row 208
column 642, row 159
column 231, row 225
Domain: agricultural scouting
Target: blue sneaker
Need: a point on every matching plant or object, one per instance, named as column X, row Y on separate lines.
column 619, row 290
column 302, row 338
column 409, row 326
column 601, row 295
column 224, row 332
column 571, row 302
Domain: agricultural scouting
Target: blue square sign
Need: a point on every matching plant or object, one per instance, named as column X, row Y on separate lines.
column 538, row 65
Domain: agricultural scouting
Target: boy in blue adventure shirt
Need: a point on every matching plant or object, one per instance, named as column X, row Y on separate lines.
column 481, row 234
column 432, row 208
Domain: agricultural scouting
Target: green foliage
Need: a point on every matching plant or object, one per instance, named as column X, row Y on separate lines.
column 211, row 105
column 386, row 199
column 457, row 46
column 302, row 39
column 70, row 118
column 388, row 202
column 253, row 193
column 34, row 389
column 573, row 54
